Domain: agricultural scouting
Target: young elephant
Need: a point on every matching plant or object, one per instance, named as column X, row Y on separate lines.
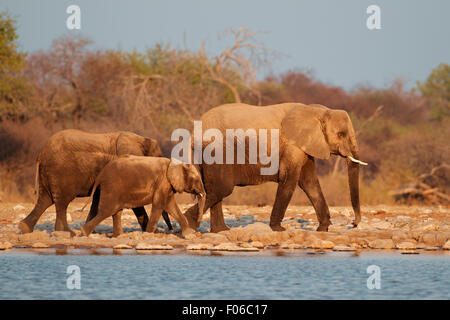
column 68, row 165
column 135, row 181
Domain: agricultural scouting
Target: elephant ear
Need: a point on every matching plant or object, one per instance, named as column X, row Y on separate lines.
column 152, row 148
column 130, row 143
column 303, row 125
column 176, row 173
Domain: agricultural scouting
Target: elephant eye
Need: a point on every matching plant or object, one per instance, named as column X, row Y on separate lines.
column 341, row 134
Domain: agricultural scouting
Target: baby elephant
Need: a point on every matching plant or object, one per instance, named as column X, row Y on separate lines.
column 135, row 181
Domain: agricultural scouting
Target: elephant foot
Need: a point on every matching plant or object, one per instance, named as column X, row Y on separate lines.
column 219, row 229
column 193, row 223
column 72, row 234
column 84, row 232
column 25, row 227
column 277, row 227
column 116, row 234
column 323, row 227
column 188, row 233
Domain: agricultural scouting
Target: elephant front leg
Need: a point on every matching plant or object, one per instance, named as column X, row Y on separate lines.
column 284, row 194
column 217, row 219
column 117, row 224
column 61, row 217
column 310, row 184
column 154, row 218
column 174, row 211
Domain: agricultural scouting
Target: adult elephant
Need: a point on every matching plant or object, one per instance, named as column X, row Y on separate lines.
column 305, row 132
column 68, row 164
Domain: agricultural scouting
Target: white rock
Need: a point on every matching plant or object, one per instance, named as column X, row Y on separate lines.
column 347, row 213
column 50, row 216
column 343, row 248
column 199, row 246
column 431, row 227
column 40, row 245
column 257, row 227
column 128, row 217
column 148, row 246
column 96, row 236
column 257, row 244
column 19, row 218
column 122, row 246
column 382, row 225
column 446, row 246
column 290, row 246
column 232, row 247
column 406, row 245
column 323, row 244
column 207, row 216
column 334, row 212
column 5, row 245
column 18, row 207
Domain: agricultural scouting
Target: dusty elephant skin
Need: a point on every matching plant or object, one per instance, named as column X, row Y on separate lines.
column 68, row 165
column 306, row 132
column 133, row 181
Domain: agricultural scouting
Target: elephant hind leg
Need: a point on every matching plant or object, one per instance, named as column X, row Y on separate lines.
column 141, row 216
column 43, row 202
column 167, row 220
column 61, row 216
column 117, row 223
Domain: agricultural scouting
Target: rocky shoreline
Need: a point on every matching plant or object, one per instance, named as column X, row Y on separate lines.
column 404, row 229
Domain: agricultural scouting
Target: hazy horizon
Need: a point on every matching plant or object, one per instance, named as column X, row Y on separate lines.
column 333, row 40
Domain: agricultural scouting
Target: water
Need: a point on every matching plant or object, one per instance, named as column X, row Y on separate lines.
column 30, row 275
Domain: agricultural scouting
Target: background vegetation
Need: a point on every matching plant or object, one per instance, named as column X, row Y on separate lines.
column 403, row 134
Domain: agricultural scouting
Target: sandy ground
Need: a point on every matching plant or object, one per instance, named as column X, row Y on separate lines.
column 407, row 229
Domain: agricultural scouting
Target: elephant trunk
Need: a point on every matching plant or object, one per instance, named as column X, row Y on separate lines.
column 201, row 200
column 353, row 178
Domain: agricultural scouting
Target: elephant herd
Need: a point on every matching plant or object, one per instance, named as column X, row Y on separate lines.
column 124, row 170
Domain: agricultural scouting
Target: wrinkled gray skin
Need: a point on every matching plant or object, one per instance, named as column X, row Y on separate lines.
column 306, row 132
column 68, row 165
column 131, row 181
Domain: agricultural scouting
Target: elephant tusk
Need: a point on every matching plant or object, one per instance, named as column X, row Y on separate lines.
column 358, row 161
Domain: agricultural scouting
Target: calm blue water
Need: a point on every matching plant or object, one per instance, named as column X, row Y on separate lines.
column 31, row 275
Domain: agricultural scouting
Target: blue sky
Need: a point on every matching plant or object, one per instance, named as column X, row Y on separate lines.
column 327, row 36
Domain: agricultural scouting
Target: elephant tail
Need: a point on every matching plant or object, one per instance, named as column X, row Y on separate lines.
column 95, row 199
column 91, row 196
column 36, row 180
